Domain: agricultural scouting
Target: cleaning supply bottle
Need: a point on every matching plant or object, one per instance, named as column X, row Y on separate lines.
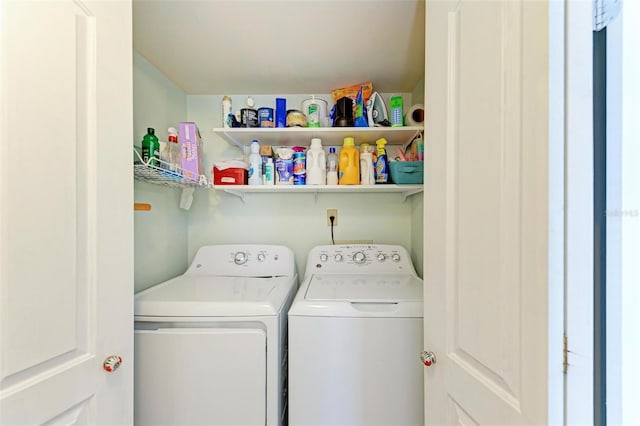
column 151, row 148
column 382, row 165
column 255, row 164
column 367, row 174
column 226, row 110
column 349, row 167
column 316, row 163
column 269, row 172
column 299, row 166
column 332, row 167
column 174, row 150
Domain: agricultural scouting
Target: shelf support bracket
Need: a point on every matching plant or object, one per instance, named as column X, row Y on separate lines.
column 407, row 194
column 239, row 194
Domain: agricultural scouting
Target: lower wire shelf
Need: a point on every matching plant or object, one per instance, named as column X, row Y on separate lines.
column 166, row 174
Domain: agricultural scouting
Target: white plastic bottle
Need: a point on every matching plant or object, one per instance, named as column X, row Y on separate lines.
column 332, row 167
column 367, row 174
column 175, row 158
column 226, row 110
column 255, row 164
column 316, row 163
column 269, row 172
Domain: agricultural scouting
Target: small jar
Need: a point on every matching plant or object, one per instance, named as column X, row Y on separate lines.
column 296, row 118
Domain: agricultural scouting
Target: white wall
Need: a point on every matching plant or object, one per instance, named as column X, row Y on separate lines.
column 297, row 221
column 160, row 250
column 167, row 238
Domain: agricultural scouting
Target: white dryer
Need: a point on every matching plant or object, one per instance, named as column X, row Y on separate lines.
column 355, row 336
column 210, row 345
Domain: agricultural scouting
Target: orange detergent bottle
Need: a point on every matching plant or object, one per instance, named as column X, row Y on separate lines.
column 349, row 168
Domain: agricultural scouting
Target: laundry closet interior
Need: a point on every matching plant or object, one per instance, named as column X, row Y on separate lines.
column 188, row 55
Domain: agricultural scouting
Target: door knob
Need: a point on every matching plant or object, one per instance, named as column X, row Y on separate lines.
column 111, row 363
column 427, row 358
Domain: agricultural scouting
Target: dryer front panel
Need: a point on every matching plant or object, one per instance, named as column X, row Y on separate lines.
column 198, row 376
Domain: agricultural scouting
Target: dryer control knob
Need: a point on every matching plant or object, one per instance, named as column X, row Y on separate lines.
column 324, row 257
column 261, row 257
column 395, row 257
column 382, row 257
column 338, row 257
column 240, row 258
column 359, row 257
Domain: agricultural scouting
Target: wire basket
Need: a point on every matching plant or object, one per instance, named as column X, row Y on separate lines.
column 164, row 173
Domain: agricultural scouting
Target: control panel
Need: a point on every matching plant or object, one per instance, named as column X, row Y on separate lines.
column 250, row 260
column 359, row 258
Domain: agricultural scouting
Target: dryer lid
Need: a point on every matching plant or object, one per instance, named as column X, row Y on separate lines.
column 213, row 296
column 380, row 288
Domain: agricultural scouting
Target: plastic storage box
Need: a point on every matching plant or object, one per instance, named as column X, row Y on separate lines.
column 230, row 176
column 407, row 172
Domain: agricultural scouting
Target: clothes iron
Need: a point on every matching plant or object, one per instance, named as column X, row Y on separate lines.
column 377, row 111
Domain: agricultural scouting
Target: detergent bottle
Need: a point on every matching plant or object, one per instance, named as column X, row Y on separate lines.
column 382, row 165
column 255, row 164
column 316, row 163
column 367, row 175
column 349, row 168
column 151, row 148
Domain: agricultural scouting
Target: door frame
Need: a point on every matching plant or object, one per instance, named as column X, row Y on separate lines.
column 579, row 218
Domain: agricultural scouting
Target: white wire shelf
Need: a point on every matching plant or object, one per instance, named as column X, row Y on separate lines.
column 162, row 174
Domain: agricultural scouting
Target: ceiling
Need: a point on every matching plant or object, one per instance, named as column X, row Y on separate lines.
column 294, row 46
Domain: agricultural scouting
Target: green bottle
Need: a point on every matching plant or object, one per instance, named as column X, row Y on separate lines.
column 151, row 148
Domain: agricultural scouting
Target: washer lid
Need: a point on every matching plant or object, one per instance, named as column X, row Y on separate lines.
column 381, row 288
column 211, row 296
column 359, row 296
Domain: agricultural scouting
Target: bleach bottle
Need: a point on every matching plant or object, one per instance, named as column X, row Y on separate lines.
column 255, row 164
column 382, row 165
column 316, row 163
column 367, row 174
column 349, row 168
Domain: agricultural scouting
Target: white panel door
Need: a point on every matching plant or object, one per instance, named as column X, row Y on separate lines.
column 66, row 290
column 486, row 212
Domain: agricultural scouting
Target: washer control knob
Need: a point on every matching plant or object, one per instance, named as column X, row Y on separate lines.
column 395, row 257
column 359, row 257
column 338, row 257
column 382, row 257
column 261, row 257
column 240, row 258
column 324, row 257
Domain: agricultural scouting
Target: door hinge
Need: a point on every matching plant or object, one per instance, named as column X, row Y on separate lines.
column 565, row 355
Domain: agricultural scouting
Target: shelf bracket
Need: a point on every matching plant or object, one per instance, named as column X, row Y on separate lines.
column 407, row 194
column 239, row 194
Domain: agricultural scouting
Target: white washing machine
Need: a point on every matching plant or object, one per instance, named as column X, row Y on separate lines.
column 355, row 336
column 210, row 345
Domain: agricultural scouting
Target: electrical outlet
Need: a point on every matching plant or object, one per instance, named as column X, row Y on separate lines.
column 334, row 213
